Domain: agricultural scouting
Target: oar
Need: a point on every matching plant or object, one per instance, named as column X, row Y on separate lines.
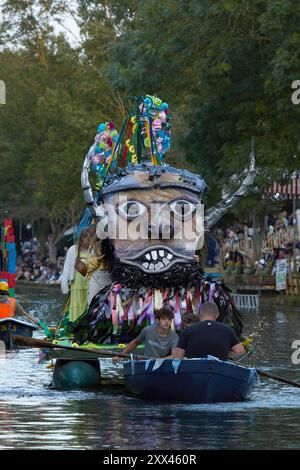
column 270, row 376
column 277, row 377
column 41, row 343
column 39, row 323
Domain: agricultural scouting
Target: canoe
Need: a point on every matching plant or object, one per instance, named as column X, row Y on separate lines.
column 205, row 380
column 11, row 326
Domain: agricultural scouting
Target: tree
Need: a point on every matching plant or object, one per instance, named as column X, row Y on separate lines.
column 49, row 121
column 226, row 68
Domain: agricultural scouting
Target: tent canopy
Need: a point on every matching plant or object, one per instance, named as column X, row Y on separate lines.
column 290, row 188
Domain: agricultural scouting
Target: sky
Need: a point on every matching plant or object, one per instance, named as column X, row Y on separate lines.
column 69, row 28
column 68, row 25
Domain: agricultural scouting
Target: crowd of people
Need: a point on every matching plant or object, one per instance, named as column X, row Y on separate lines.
column 232, row 246
column 280, row 239
column 31, row 266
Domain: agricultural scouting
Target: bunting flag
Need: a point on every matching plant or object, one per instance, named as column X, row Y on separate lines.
column 289, row 189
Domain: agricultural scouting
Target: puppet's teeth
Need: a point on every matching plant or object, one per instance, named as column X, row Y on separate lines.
column 166, row 261
column 145, row 265
column 148, row 257
column 154, row 255
column 169, row 256
column 161, row 253
column 160, row 265
column 151, row 266
column 156, row 267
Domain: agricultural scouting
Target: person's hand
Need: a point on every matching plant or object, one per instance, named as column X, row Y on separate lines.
column 116, row 359
column 196, row 258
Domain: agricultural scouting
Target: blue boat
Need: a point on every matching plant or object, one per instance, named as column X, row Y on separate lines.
column 11, row 326
column 204, row 380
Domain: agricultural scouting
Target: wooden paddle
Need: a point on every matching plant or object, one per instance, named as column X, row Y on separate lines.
column 267, row 374
column 277, row 377
column 41, row 343
column 36, row 322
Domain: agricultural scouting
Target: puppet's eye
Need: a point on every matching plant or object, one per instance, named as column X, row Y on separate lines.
column 182, row 208
column 131, row 209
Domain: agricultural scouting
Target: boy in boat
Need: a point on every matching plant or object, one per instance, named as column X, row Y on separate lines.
column 208, row 337
column 159, row 340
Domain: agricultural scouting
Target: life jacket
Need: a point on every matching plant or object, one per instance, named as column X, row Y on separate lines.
column 8, row 307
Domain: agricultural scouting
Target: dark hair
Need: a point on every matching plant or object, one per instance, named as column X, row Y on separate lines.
column 165, row 311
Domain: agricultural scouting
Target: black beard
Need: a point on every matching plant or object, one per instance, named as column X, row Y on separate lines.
column 180, row 275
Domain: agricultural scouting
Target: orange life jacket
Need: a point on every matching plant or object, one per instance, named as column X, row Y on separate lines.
column 8, row 307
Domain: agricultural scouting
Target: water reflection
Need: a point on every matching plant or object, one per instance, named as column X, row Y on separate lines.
column 32, row 416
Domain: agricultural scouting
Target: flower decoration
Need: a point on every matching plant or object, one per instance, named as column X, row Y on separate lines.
column 105, row 142
column 157, row 111
column 247, row 343
column 145, row 136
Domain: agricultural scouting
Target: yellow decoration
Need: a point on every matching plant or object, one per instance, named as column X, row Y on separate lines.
column 55, row 341
column 131, row 149
column 75, row 345
column 134, row 159
column 127, row 143
column 133, row 120
column 4, row 286
column 121, row 345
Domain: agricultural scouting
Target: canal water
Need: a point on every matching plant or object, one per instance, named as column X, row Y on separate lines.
column 34, row 416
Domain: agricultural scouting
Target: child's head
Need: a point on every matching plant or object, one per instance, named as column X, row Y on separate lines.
column 164, row 316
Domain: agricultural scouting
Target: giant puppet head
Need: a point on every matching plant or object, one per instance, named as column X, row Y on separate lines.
column 153, row 215
column 151, row 212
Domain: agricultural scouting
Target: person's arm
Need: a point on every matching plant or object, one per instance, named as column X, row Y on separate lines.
column 237, row 350
column 173, row 346
column 178, row 353
column 129, row 348
column 179, row 350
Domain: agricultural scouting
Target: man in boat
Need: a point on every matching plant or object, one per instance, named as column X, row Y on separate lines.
column 159, row 339
column 209, row 337
column 9, row 307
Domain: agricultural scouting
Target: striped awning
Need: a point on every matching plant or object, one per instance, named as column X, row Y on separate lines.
column 290, row 188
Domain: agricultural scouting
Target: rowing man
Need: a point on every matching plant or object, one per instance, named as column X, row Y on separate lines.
column 208, row 337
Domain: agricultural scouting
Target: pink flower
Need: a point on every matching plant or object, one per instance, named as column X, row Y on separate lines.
column 156, row 124
column 162, row 116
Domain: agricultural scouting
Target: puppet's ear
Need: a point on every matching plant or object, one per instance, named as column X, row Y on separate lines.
column 102, row 225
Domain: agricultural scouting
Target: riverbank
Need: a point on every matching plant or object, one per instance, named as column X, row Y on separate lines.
column 39, row 285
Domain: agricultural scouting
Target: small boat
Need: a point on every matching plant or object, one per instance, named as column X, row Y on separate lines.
column 204, row 380
column 11, row 326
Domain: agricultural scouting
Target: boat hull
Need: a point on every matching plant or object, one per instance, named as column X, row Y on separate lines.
column 11, row 326
column 76, row 374
column 190, row 380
